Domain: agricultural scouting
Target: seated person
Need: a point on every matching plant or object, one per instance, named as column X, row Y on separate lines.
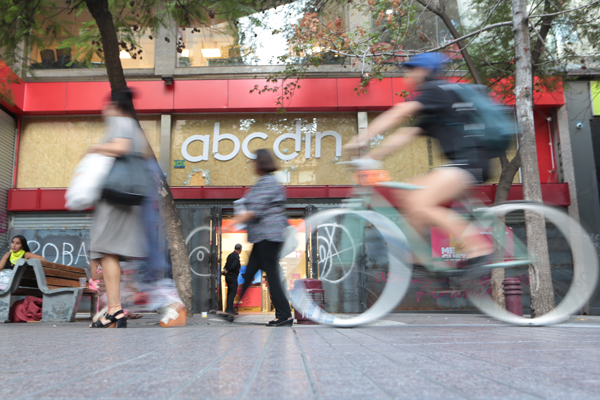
column 18, row 249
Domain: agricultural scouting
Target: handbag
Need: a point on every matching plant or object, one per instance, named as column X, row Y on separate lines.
column 88, row 181
column 127, row 182
column 290, row 242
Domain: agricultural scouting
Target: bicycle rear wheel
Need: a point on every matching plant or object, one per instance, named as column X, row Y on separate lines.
column 573, row 268
column 362, row 265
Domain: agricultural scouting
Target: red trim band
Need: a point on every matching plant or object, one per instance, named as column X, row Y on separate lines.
column 189, row 96
column 22, row 200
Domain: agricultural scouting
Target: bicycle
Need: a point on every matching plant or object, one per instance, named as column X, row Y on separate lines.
column 341, row 234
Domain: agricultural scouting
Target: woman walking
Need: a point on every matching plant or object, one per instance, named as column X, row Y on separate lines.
column 117, row 230
column 122, row 232
column 266, row 221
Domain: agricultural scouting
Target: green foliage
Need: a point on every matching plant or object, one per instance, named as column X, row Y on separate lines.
column 569, row 43
column 387, row 32
column 43, row 24
column 395, row 29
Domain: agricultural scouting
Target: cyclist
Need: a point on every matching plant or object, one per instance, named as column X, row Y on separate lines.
column 437, row 118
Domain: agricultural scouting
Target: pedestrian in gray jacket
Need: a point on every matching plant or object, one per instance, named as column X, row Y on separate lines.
column 265, row 219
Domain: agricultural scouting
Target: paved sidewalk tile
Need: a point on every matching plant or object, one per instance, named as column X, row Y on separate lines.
column 413, row 357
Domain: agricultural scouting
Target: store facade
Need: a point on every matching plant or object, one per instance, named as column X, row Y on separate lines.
column 204, row 134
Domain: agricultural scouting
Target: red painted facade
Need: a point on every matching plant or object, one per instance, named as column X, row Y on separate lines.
column 20, row 200
column 233, row 95
column 545, row 147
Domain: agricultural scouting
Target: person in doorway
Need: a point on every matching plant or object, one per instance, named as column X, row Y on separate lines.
column 231, row 272
column 265, row 223
column 18, row 249
column 437, row 118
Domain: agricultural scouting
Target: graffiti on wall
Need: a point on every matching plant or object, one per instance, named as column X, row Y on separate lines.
column 63, row 246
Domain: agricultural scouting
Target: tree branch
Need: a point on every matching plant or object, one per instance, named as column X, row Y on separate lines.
column 509, row 169
column 507, row 23
column 463, row 49
column 565, row 11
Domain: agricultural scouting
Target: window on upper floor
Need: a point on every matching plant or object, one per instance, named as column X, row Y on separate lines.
column 51, row 51
column 257, row 39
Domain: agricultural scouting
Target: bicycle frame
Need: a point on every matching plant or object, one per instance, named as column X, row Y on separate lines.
column 368, row 198
column 369, row 211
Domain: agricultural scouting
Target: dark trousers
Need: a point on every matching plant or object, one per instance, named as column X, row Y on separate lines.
column 156, row 264
column 232, row 285
column 265, row 256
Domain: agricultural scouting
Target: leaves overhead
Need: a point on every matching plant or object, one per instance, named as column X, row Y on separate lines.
column 67, row 24
column 368, row 38
column 391, row 30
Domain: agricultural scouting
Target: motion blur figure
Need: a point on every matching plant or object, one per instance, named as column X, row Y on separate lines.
column 266, row 221
column 124, row 232
column 152, row 274
column 469, row 158
column 117, row 230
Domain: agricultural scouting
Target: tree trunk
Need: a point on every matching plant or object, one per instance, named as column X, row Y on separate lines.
column 182, row 274
column 509, row 169
column 542, row 293
column 546, row 25
column 172, row 224
column 461, row 45
column 110, row 42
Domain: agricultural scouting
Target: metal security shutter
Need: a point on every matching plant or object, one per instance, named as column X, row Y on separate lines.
column 8, row 129
column 54, row 220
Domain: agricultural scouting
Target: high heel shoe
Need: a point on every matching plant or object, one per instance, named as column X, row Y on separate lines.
column 113, row 321
column 100, row 314
column 173, row 315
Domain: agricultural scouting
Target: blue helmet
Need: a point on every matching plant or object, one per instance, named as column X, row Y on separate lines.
column 432, row 61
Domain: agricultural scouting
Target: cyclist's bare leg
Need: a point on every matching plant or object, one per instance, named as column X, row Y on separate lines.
column 424, row 206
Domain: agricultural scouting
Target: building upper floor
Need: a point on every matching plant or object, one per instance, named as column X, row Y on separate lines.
column 346, row 40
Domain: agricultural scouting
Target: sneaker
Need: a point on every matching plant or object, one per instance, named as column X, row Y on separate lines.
column 281, row 322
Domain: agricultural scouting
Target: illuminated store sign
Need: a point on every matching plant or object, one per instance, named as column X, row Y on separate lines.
column 217, row 137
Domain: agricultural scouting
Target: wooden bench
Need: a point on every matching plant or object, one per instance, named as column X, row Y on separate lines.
column 58, row 285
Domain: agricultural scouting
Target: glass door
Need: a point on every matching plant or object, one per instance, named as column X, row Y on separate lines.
column 294, row 266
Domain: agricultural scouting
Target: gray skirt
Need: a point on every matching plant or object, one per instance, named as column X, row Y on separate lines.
column 117, row 230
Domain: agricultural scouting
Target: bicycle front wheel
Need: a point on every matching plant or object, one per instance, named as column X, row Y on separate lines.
column 362, row 263
column 553, row 287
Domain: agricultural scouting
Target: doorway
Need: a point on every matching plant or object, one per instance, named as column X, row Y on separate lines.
column 294, row 266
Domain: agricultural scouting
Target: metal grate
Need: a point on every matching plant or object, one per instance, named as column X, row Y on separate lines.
column 7, row 153
column 54, row 220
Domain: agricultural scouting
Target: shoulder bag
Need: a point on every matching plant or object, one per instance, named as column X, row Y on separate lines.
column 127, row 182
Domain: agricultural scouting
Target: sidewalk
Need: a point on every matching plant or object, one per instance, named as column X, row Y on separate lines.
column 423, row 356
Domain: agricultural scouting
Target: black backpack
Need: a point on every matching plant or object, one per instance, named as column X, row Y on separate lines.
column 482, row 119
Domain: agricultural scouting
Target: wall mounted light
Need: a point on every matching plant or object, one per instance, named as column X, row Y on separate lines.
column 211, row 53
column 167, row 79
column 124, row 54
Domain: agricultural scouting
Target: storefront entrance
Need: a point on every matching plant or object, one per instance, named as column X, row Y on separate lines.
column 257, row 299
column 208, row 250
